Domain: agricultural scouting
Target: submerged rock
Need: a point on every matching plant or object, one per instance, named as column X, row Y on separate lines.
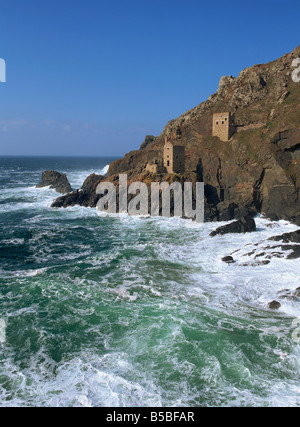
column 228, row 259
column 244, row 225
column 274, row 305
column 55, row 180
column 293, row 237
column 292, row 295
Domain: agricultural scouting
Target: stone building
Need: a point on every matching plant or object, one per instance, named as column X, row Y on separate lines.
column 223, row 125
column 156, row 167
column 174, row 157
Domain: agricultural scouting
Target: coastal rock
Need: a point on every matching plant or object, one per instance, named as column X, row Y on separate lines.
column 274, row 305
column 287, row 250
column 290, row 295
column 228, row 259
column 84, row 196
column 285, row 246
column 244, row 225
column 293, row 237
column 55, row 180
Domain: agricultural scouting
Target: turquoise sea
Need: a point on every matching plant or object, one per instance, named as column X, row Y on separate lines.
column 131, row 311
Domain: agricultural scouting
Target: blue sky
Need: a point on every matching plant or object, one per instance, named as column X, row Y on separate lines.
column 93, row 77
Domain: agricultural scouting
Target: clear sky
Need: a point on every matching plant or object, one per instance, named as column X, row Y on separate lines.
column 93, row 77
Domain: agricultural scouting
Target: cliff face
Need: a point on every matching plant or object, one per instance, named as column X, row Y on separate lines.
column 258, row 169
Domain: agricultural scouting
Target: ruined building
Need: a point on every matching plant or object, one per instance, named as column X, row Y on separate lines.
column 223, row 126
column 173, row 160
column 174, row 157
column 156, row 167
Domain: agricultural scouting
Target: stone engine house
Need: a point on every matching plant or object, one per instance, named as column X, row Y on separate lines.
column 174, row 157
column 223, row 126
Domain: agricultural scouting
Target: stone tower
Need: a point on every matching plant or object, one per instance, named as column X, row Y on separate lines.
column 174, row 157
column 223, row 126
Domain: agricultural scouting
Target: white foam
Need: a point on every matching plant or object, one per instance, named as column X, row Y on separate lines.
column 104, row 170
column 82, row 381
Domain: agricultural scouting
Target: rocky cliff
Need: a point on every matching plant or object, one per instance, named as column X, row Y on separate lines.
column 258, row 169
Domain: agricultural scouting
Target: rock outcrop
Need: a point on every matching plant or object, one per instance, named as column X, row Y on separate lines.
column 285, row 246
column 228, row 259
column 292, row 237
column 55, row 180
column 243, row 225
column 285, row 294
column 85, row 196
column 274, row 305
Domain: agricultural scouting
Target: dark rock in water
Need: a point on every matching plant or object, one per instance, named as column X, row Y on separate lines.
column 255, row 263
column 286, row 238
column 85, row 196
column 297, row 292
column 290, row 294
column 244, row 225
column 296, row 251
column 228, row 259
column 293, row 237
column 55, row 180
column 274, row 305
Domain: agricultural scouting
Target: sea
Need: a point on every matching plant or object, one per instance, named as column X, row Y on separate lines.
column 122, row 311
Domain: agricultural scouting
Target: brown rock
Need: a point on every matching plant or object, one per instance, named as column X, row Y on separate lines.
column 274, row 305
column 55, row 180
column 228, row 259
column 244, row 225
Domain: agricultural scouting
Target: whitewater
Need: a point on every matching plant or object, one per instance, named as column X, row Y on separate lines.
column 132, row 311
